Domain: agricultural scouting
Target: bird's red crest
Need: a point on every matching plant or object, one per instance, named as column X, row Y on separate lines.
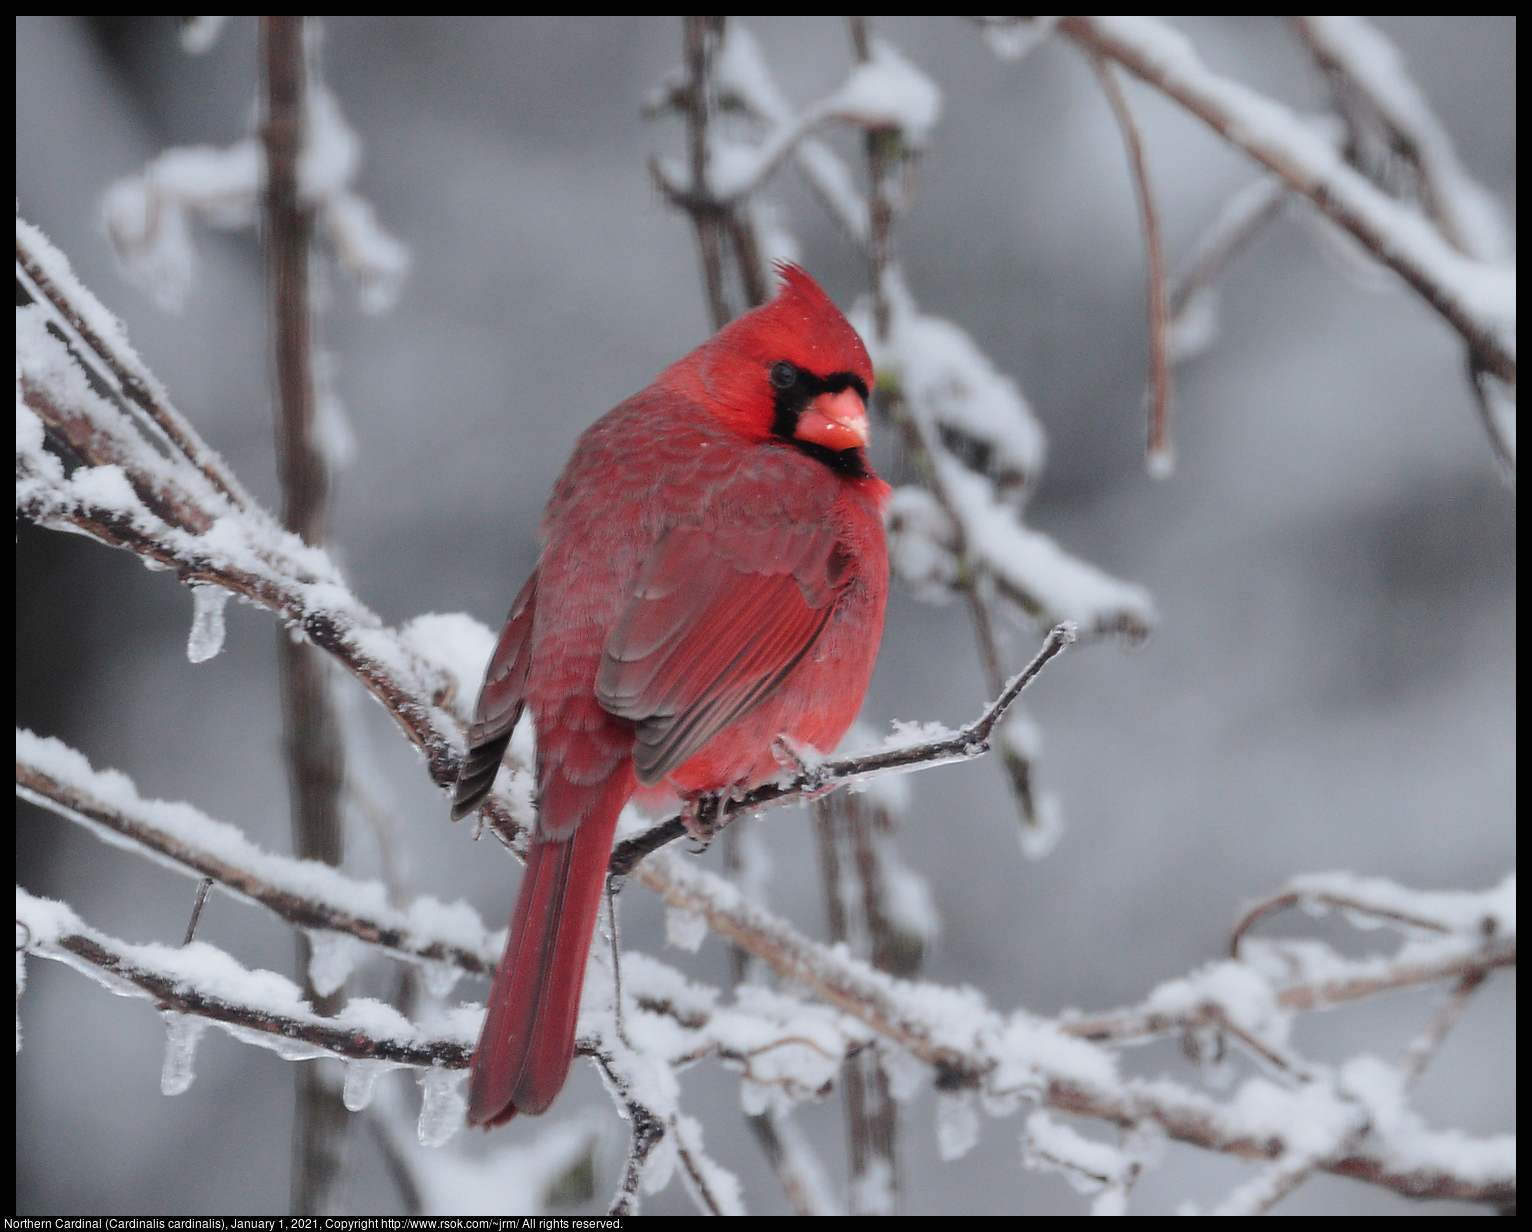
column 730, row 372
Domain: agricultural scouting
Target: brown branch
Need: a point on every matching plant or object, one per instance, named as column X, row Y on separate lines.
column 1159, row 456
column 1265, row 131
column 314, row 747
column 1292, row 898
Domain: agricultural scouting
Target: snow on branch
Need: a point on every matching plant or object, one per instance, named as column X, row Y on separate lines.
column 148, row 216
column 258, row 1007
column 1386, row 110
column 1008, row 1059
column 1476, row 297
column 984, row 450
column 306, row 893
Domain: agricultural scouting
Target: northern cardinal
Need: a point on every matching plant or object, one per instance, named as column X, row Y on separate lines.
column 712, row 580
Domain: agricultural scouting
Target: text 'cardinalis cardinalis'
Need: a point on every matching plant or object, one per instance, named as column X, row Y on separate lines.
column 712, row 579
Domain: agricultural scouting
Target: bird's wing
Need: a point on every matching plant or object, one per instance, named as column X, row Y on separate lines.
column 716, row 621
column 499, row 706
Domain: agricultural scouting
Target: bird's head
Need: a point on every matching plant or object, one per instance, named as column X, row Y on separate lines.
column 792, row 370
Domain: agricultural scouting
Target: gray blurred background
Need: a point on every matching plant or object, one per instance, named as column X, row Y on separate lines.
column 1330, row 687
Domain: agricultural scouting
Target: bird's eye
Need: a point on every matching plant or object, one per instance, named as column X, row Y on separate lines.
column 783, row 374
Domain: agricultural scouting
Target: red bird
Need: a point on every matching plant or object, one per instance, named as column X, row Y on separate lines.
column 713, row 578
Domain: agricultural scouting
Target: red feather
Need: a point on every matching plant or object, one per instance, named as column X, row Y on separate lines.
column 709, row 582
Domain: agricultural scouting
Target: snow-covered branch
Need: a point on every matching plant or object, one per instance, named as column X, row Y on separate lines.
column 306, row 893
column 1476, row 297
column 1010, row 1058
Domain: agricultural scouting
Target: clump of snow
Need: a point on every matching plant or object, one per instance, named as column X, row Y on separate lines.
column 887, row 91
column 957, row 1124
column 1041, row 835
column 519, row 1179
column 1011, row 38
column 921, row 544
column 1194, row 329
column 459, row 643
column 684, row 929
column 332, row 956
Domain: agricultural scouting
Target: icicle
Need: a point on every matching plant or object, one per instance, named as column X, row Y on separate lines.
column 206, row 638
column 21, row 987
column 684, row 929
column 331, row 957
column 957, row 1124
column 441, row 978
column 182, row 1031
column 442, row 1105
column 361, row 1081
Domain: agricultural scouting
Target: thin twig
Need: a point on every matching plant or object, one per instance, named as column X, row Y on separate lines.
column 133, row 381
column 203, row 887
column 1240, row 220
column 1289, row 899
column 1159, row 457
column 1428, row 1043
column 969, row 741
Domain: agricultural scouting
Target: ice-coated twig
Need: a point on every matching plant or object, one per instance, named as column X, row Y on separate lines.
column 303, row 892
column 198, row 903
column 259, row 1007
column 971, row 740
column 1159, row 455
column 1434, row 1034
column 1476, row 298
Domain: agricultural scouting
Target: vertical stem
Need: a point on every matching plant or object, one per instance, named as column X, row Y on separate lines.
column 702, row 37
column 854, row 909
column 311, row 729
column 1158, row 456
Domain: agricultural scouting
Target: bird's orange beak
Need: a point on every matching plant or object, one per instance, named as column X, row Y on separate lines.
column 836, row 421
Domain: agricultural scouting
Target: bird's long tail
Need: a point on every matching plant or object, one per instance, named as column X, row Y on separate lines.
column 528, row 1038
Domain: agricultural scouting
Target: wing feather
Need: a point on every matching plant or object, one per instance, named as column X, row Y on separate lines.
column 713, row 626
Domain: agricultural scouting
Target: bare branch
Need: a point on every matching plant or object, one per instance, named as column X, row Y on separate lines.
column 1159, row 457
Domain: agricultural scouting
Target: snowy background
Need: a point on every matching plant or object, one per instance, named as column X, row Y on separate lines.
column 1330, row 686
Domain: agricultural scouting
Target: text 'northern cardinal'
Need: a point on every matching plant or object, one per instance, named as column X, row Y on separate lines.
column 712, row 579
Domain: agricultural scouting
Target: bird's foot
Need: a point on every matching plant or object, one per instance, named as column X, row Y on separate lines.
column 703, row 818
